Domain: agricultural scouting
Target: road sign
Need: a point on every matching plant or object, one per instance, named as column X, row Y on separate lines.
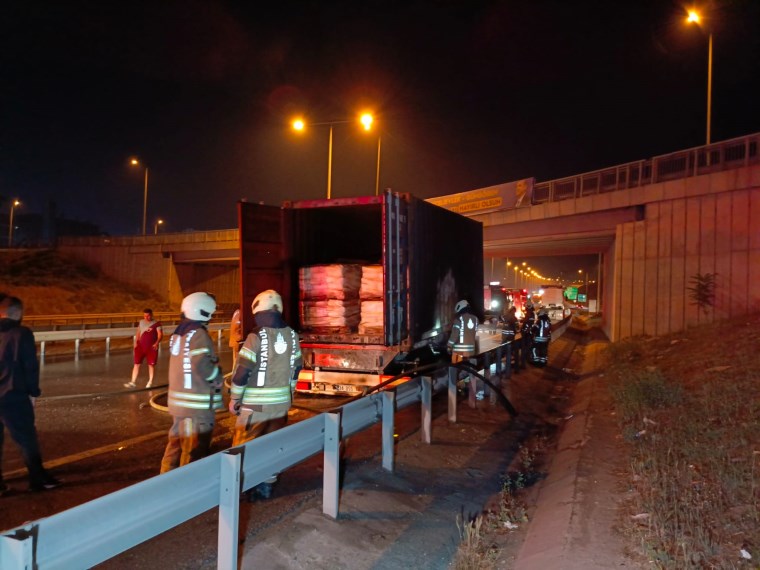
column 571, row 293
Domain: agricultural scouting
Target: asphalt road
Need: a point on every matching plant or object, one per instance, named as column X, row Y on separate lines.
column 98, row 436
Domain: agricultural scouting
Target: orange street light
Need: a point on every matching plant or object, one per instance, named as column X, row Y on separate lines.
column 366, row 119
column 159, row 221
column 136, row 162
column 693, row 17
column 14, row 204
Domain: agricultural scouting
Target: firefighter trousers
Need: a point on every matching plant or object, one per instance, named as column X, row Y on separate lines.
column 189, row 440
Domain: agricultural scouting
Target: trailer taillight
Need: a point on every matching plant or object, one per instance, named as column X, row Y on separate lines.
column 303, row 386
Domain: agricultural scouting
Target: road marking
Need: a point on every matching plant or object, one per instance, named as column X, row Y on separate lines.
column 92, row 452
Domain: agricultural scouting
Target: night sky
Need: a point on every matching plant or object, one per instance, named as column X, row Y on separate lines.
column 466, row 94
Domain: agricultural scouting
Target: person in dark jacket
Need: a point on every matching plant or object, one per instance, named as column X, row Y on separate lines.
column 19, row 387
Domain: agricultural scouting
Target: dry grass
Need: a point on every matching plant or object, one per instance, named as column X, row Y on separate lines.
column 689, row 406
column 52, row 284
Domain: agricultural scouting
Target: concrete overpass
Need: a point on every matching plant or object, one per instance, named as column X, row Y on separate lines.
column 172, row 265
column 655, row 223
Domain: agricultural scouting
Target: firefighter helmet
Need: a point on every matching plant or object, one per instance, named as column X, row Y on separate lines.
column 266, row 301
column 461, row 306
column 199, row 306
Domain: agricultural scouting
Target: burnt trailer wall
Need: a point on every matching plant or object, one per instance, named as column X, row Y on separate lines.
column 446, row 265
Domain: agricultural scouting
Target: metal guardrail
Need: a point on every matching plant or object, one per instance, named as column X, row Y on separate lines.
column 93, row 320
column 88, row 534
column 78, row 335
column 724, row 155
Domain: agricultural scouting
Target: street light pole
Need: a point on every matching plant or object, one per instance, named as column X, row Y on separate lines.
column 693, row 17
column 329, row 165
column 155, row 226
column 14, row 203
column 709, row 84
column 377, row 176
column 145, row 201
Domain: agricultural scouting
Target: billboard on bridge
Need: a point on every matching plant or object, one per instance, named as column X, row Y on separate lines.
column 500, row 197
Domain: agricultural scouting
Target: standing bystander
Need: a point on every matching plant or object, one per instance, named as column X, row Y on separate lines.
column 147, row 338
column 19, row 387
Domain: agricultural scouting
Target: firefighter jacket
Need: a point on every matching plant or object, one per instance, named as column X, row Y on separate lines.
column 542, row 330
column 195, row 380
column 463, row 334
column 267, row 368
column 528, row 321
column 508, row 327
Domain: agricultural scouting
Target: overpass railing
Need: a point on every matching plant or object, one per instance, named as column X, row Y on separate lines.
column 160, row 239
column 93, row 532
column 725, row 155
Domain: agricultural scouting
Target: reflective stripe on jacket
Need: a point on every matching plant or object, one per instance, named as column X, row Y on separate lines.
column 194, row 376
column 264, row 379
column 463, row 334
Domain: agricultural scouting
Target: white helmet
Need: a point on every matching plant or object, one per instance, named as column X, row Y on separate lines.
column 461, row 305
column 266, row 301
column 199, row 306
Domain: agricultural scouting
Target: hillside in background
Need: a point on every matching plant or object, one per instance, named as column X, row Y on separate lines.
column 53, row 284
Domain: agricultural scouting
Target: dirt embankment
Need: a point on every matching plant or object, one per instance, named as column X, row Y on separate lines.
column 53, row 284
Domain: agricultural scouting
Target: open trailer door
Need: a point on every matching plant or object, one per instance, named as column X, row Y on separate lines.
column 261, row 255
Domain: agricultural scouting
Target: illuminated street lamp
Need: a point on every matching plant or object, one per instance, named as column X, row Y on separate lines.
column 135, row 162
column 14, row 204
column 159, row 221
column 693, row 17
column 365, row 119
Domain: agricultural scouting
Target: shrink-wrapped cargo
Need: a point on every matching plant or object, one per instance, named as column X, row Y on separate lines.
column 330, row 314
column 372, row 282
column 372, row 317
column 335, row 281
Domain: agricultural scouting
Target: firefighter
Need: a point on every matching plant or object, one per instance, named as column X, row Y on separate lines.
column 542, row 335
column 526, row 333
column 509, row 326
column 264, row 378
column 195, row 382
column 462, row 342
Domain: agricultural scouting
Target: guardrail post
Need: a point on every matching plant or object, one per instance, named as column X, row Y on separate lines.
column 388, row 429
column 229, row 509
column 76, row 348
column 331, row 471
column 427, row 408
column 453, row 377
column 108, row 345
column 42, row 350
column 17, row 552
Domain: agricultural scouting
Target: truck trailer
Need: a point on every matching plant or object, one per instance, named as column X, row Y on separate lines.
column 426, row 258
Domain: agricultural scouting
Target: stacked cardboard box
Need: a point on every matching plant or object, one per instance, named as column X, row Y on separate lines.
column 371, row 295
column 329, row 297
